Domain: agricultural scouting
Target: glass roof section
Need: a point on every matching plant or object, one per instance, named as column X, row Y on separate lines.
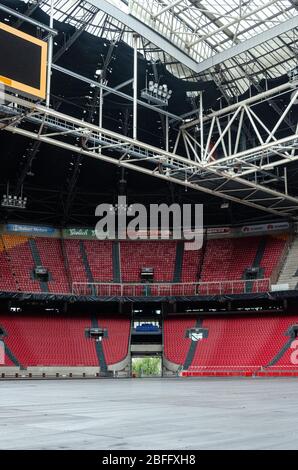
column 200, row 28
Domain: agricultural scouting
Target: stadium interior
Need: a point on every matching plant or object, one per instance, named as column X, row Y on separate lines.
column 165, row 102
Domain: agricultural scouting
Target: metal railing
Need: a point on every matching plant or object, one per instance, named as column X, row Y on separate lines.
column 100, row 289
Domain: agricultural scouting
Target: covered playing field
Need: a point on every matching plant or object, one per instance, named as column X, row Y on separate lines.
column 149, row 414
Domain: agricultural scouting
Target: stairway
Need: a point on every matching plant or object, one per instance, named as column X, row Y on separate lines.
column 257, row 263
column 87, row 265
column 66, row 264
column 99, row 349
column 37, row 261
column 289, row 274
column 116, row 262
column 178, row 262
column 260, row 253
column 12, row 357
column 192, row 348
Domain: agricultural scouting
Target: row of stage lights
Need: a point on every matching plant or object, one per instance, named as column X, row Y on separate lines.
column 161, row 91
column 14, row 202
column 157, row 94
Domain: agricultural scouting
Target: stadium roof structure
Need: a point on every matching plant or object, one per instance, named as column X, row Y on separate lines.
column 247, row 39
column 227, row 64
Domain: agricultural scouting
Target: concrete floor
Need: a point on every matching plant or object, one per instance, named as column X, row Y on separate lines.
column 149, row 414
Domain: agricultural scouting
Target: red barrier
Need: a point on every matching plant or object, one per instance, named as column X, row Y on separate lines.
column 279, row 373
column 248, row 373
column 217, row 374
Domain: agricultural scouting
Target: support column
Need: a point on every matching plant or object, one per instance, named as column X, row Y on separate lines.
column 100, row 111
column 201, row 126
column 50, row 56
column 167, row 133
column 135, row 88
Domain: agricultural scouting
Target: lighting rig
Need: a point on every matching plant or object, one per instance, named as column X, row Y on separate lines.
column 11, row 201
column 156, row 94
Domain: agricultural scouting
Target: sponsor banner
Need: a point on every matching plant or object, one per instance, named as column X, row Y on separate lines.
column 2, row 353
column 146, row 234
column 214, row 230
column 30, row 229
column 265, row 227
column 79, row 233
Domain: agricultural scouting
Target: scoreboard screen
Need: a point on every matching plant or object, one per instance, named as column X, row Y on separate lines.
column 23, row 62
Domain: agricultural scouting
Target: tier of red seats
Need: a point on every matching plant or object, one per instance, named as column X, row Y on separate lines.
column 176, row 345
column 51, row 256
column 226, row 260
column 8, row 362
column 273, row 251
column 7, row 280
column 223, row 261
column 99, row 255
column 136, row 255
column 59, row 340
column 21, row 262
column 115, row 346
column 192, row 260
column 246, row 343
column 74, row 261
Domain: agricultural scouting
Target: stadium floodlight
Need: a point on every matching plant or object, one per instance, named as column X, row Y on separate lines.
column 157, row 94
column 165, row 91
column 151, row 86
column 191, row 95
column 13, row 201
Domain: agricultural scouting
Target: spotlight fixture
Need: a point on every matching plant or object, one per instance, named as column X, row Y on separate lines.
column 156, row 94
column 11, row 201
column 192, row 94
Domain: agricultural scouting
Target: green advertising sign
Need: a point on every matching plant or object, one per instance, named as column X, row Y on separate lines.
column 79, row 233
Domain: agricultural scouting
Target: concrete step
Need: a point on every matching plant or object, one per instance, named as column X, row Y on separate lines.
column 290, row 267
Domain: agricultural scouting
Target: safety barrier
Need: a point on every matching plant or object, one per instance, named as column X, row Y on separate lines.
column 170, row 289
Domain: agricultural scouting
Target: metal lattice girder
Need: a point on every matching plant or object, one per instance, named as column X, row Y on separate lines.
column 88, row 16
column 166, row 8
column 26, row 18
column 30, row 10
column 73, row 180
column 240, row 17
column 250, row 43
column 214, row 33
column 223, row 153
column 106, row 145
column 143, row 30
column 115, row 91
column 191, row 35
